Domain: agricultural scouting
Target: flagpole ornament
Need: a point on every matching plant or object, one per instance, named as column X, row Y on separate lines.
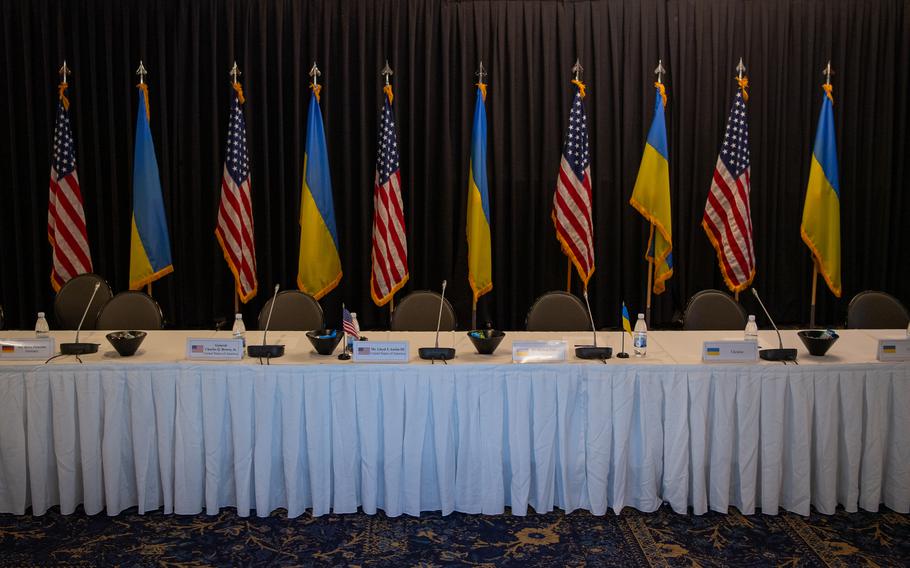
column 577, row 69
column 660, row 71
column 64, row 71
column 481, row 72
column 235, row 72
column 828, row 72
column 141, row 72
column 387, row 72
column 315, row 73
column 740, row 69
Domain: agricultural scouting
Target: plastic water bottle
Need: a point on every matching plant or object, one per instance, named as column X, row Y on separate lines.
column 751, row 333
column 41, row 327
column 239, row 329
column 908, row 330
column 640, row 336
column 351, row 338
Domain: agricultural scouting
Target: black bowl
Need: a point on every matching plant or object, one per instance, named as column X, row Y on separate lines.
column 126, row 342
column 817, row 341
column 486, row 340
column 325, row 340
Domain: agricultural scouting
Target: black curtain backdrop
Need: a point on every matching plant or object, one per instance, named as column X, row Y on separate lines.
column 434, row 47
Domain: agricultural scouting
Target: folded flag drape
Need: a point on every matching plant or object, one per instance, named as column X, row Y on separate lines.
column 150, row 246
column 572, row 201
column 390, row 241
column 651, row 195
column 319, row 264
column 66, row 230
column 820, row 228
column 480, row 269
column 234, row 230
column 728, row 215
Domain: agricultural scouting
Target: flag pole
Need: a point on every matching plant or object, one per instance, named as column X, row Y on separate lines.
column 814, row 292
column 474, row 314
column 236, row 302
column 148, row 288
column 650, row 276
column 568, row 275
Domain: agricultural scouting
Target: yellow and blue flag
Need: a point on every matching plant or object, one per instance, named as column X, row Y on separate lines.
column 626, row 323
column 150, row 246
column 319, row 266
column 820, row 228
column 651, row 196
column 480, row 269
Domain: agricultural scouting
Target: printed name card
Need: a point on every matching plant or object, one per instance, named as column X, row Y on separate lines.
column 381, row 351
column 539, row 351
column 23, row 349
column 729, row 351
column 214, row 349
column 894, row 349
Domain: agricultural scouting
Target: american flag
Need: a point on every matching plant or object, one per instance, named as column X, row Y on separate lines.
column 728, row 218
column 348, row 324
column 235, row 214
column 65, row 215
column 572, row 210
column 390, row 244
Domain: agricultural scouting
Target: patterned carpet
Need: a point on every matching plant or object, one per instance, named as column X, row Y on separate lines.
column 555, row 539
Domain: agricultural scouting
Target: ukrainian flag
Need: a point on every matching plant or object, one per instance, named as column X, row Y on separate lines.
column 480, row 270
column 820, row 228
column 319, row 267
column 150, row 246
column 651, row 196
column 626, row 322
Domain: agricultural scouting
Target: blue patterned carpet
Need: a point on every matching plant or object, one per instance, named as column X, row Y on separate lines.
column 555, row 539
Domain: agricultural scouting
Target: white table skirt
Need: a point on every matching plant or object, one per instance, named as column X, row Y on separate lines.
column 474, row 438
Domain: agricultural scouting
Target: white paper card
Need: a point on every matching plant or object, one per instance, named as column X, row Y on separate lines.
column 729, row 351
column 381, row 351
column 38, row 348
column 894, row 349
column 539, row 351
column 214, row 349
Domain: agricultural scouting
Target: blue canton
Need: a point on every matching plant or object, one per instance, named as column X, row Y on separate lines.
column 387, row 160
column 237, row 160
column 575, row 149
column 735, row 151
column 64, row 151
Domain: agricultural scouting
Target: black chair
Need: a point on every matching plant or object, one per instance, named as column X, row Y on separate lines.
column 419, row 311
column 876, row 310
column 713, row 310
column 558, row 311
column 130, row 310
column 294, row 311
column 69, row 304
column 2, row 317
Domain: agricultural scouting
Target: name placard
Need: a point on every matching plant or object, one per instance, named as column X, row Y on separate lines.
column 381, row 351
column 539, row 351
column 207, row 349
column 24, row 349
column 729, row 351
column 894, row 349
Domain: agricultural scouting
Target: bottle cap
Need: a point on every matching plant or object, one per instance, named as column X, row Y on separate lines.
column 238, row 316
column 641, row 316
column 751, row 318
column 353, row 314
column 40, row 314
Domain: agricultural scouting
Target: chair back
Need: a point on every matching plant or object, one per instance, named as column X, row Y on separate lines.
column 876, row 310
column 713, row 310
column 419, row 311
column 558, row 311
column 2, row 318
column 69, row 304
column 131, row 310
column 294, row 311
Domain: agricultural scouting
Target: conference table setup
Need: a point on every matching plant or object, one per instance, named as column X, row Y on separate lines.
column 165, row 429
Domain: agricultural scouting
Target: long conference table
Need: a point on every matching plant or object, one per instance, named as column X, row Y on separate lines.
column 156, row 431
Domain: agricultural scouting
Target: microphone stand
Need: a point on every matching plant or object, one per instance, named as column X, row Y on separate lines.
column 441, row 353
column 779, row 354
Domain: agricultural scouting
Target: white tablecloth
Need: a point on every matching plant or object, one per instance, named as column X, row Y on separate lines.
column 475, row 436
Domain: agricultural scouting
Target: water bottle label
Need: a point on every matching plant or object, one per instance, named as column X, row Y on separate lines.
column 641, row 340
